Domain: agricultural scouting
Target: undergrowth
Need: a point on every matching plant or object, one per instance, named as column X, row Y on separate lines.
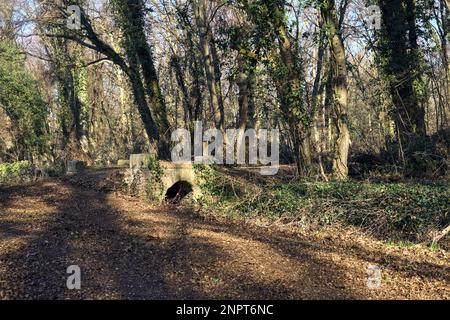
column 403, row 211
column 16, row 172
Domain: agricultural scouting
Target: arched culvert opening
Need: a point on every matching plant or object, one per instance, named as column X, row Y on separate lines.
column 178, row 191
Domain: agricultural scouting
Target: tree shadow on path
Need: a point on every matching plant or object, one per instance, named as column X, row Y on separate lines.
column 129, row 250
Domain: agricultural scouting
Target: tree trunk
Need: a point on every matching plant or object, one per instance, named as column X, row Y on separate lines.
column 446, row 58
column 245, row 82
column 131, row 16
column 291, row 104
column 402, row 66
column 188, row 109
column 447, row 3
column 70, row 114
column 144, row 111
column 339, row 89
column 207, row 49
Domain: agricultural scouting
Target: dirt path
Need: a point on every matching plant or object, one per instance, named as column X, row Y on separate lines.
column 128, row 249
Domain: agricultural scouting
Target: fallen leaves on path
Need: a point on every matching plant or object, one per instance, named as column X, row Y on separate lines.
column 130, row 249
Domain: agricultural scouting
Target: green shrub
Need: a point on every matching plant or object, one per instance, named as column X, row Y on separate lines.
column 21, row 99
column 16, row 172
column 216, row 183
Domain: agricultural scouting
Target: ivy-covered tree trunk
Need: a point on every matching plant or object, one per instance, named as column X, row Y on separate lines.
column 446, row 50
column 339, row 89
column 70, row 113
column 273, row 40
column 139, row 55
column 145, row 56
column 290, row 90
column 142, row 105
column 401, row 61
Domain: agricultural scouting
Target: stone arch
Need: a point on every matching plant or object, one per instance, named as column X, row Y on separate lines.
column 175, row 175
column 178, row 191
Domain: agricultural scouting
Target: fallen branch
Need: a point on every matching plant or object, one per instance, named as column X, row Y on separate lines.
column 441, row 234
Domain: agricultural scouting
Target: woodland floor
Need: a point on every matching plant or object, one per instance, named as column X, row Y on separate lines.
column 130, row 249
